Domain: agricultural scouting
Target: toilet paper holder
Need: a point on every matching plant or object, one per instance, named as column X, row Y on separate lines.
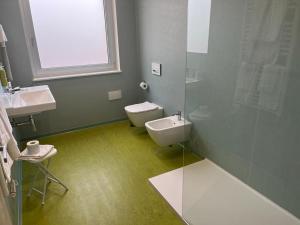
column 144, row 86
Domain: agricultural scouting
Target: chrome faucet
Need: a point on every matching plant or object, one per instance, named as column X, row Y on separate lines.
column 179, row 115
column 12, row 90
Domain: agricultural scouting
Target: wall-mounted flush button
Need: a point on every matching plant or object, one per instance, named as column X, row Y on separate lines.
column 156, row 69
column 114, row 95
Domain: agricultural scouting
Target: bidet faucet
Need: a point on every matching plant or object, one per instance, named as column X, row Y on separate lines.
column 179, row 115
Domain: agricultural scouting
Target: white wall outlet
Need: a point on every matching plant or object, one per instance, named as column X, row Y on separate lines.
column 156, row 69
column 114, row 95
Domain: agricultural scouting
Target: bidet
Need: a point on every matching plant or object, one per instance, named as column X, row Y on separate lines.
column 169, row 130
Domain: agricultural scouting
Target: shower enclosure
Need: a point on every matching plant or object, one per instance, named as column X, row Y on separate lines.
column 242, row 96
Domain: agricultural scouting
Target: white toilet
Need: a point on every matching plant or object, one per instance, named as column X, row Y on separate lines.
column 141, row 113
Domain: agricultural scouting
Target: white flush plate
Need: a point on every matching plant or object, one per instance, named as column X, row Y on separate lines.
column 114, row 95
column 156, row 69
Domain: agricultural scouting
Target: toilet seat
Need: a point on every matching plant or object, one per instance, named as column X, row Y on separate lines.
column 142, row 107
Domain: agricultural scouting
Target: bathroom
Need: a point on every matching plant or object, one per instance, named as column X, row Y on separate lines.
column 190, row 114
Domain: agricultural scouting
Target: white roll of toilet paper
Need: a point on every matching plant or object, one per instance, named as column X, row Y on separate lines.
column 144, row 85
column 33, row 147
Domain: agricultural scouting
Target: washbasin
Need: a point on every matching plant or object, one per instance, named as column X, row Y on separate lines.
column 28, row 101
column 169, row 130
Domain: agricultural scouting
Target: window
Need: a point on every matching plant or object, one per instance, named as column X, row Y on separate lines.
column 68, row 38
column 198, row 25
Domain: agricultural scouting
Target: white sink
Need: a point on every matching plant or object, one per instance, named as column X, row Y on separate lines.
column 28, row 101
column 169, row 130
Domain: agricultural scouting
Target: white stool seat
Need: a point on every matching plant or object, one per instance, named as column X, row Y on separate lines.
column 43, row 168
column 52, row 153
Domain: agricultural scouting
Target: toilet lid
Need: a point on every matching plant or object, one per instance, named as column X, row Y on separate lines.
column 142, row 107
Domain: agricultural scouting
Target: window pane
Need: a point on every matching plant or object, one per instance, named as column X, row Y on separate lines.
column 69, row 32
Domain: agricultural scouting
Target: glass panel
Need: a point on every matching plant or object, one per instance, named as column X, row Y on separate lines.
column 16, row 203
column 243, row 101
column 11, row 207
column 69, row 33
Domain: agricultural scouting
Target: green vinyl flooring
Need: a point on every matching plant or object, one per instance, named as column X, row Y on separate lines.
column 106, row 169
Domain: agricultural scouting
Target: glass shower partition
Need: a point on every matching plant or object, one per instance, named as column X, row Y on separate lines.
column 242, row 96
column 12, row 204
column 17, row 201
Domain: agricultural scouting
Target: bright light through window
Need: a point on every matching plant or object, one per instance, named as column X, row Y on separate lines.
column 71, row 38
column 69, row 33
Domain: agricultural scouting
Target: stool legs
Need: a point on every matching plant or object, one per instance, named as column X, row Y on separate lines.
column 47, row 179
column 32, row 183
column 52, row 177
column 45, row 189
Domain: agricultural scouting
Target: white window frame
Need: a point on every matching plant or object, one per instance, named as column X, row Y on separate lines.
column 40, row 73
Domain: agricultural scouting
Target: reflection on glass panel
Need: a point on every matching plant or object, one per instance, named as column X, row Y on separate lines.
column 267, row 44
column 198, row 25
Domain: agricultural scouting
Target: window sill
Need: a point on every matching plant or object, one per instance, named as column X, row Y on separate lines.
column 76, row 75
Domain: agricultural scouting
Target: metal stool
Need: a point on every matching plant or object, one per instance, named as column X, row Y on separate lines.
column 44, row 169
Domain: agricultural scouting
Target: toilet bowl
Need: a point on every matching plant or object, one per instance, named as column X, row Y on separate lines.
column 141, row 113
column 169, row 130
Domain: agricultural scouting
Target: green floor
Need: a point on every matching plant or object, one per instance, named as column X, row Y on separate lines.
column 106, row 169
